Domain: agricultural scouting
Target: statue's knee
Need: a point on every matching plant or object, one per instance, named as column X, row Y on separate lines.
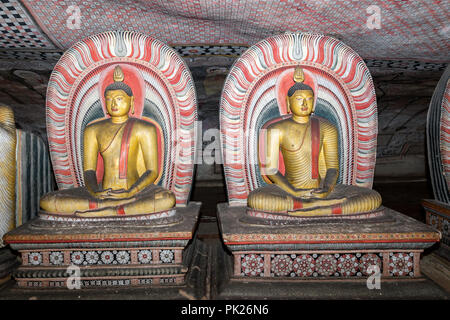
column 252, row 199
column 172, row 199
column 47, row 202
column 166, row 199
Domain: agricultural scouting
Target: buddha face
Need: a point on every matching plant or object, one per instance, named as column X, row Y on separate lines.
column 301, row 103
column 118, row 103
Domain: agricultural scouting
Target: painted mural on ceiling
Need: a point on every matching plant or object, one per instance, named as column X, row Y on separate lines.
column 383, row 29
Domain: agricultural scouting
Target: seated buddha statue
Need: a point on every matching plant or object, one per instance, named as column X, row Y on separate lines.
column 309, row 146
column 126, row 144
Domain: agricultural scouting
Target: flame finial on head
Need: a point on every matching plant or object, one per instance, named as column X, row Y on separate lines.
column 119, row 84
column 118, row 75
column 299, row 76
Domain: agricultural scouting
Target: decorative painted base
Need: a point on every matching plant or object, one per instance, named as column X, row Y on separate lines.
column 224, row 285
column 325, row 264
column 438, row 216
column 324, row 250
column 127, row 253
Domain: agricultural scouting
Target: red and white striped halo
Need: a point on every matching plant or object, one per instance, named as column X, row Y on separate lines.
column 345, row 87
column 74, row 88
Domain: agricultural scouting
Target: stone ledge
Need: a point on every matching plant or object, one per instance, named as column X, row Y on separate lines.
column 41, row 234
column 403, row 233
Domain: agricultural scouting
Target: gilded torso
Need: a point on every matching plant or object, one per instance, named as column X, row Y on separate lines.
column 110, row 138
column 295, row 146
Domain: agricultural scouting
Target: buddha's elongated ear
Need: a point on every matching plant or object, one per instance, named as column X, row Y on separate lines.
column 132, row 104
column 287, row 105
column 314, row 103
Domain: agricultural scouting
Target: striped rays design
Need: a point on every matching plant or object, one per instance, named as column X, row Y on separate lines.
column 445, row 134
column 73, row 90
column 344, row 83
column 438, row 138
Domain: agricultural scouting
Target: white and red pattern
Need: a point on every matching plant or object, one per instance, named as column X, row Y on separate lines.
column 252, row 265
column 104, row 256
column 92, row 257
column 123, row 257
column 345, row 87
column 444, row 143
column 74, row 88
column 35, row 258
column 56, row 258
column 144, row 256
column 347, row 265
column 167, row 256
column 301, row 265
column 304, row 265
column 77, row 257
column 326, row 265
column 409, row 29
column 282, row 265
column 107, row 257
column 401, row 264
column 367, row 260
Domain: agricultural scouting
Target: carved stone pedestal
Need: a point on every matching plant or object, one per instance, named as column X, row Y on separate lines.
column 324, row 250
column 116, row 253
column 438, row 216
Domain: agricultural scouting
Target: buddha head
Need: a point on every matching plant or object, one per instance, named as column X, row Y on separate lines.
column 300, row 97
column 119, row 96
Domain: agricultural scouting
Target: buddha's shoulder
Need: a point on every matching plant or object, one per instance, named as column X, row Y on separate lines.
column 97, row 124
column 326, row 124
column 279, row 124
column 139, row 123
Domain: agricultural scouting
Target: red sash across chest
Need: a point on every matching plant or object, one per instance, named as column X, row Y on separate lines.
column 123, row 160
column 124, row 146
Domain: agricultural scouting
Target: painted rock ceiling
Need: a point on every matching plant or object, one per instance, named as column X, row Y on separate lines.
column 408, row 29
column 406, row 52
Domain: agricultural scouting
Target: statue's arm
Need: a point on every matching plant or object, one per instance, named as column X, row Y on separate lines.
column 90, row 157
column 149, row 146
column 330, row 153
column 269, row 164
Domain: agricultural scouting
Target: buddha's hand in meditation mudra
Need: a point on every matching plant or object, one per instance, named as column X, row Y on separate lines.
column 128, row 146
column 309, row 146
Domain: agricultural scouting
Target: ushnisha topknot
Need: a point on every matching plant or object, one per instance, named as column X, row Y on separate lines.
column 118, row 83
column 299, row 77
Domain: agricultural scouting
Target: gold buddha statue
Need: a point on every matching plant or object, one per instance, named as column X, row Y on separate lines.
column 309, row 146
column 128, row 146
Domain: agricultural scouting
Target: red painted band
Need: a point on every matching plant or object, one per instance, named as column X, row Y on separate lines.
column 93, row 204
column 315, row 147
column 297, row 204
column 336, row 209
column 418, row 240
column 123, row 160
column 120, row 210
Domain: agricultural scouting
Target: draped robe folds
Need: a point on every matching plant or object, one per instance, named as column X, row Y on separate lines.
column 64, row 201
column 305, row 169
